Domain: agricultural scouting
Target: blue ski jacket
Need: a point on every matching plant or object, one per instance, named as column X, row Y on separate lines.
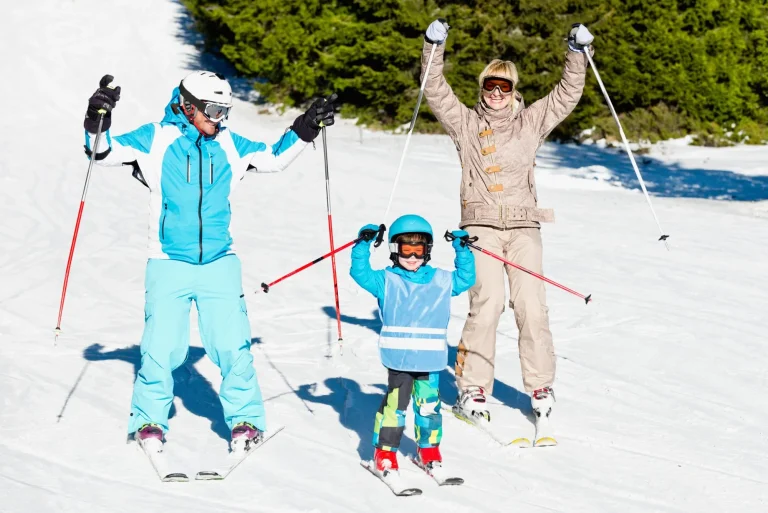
column 191, row 177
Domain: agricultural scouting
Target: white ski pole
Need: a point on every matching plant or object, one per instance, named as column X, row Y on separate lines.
column 626, row 146
column 410, row 131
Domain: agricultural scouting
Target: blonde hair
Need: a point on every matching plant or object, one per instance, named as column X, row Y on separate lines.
column 501, row 69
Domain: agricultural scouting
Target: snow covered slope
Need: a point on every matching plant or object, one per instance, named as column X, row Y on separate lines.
column 661, row 380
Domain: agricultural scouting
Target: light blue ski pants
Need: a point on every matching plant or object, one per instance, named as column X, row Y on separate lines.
column 217, row 290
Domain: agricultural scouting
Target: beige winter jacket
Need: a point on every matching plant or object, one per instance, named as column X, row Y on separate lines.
column 497, row 149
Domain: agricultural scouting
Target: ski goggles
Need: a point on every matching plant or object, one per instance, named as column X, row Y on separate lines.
column 214, row 111
column 505, row 86
column 408, row 249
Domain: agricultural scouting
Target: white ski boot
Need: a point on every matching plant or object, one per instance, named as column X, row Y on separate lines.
column 542, row 401
column 472, row 404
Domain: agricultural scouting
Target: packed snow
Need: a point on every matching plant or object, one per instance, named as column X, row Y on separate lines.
column 661, row 380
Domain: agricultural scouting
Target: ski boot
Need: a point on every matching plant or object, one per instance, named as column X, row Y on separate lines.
column 150, row 437
column 542, row 401
column 472, row 404
column 386, row 461
column 429, row 457
column 149, row 431
column 244, row 435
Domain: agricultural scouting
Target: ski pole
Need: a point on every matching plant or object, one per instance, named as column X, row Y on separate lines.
column 626, row 146
column 266, row 286
column 330, row 233
column 57, row 331
column 413, row 123
column 468, row 241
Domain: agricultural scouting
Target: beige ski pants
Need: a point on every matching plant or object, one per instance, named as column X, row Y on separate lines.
column 475, row 361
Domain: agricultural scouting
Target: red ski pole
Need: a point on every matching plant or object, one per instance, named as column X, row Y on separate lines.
column 77, row 223
column 330, row 234
column 468, row 241
column 266, row 286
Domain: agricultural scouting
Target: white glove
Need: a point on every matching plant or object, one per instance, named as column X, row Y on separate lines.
column 579, row 38
column 437, row 31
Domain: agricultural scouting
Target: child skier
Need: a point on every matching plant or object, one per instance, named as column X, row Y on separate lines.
column 415, row 305
column 191, row 163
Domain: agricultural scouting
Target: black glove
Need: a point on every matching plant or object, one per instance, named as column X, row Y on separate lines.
column 319, row 114
column 368, row 232
column 105, row 98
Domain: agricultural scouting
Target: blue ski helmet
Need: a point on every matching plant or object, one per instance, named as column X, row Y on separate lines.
column 410, row 223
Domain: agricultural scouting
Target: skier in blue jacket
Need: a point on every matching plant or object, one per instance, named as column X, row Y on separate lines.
column 191, row 164
column 415, row 307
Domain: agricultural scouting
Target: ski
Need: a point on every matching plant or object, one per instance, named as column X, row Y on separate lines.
column 392, row 479
column 153, row 448
column 437, row 472
column 544, row 436
column 481, row 423
column 235, row 458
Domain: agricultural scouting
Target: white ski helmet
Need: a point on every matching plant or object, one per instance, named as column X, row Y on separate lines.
column 207, row 91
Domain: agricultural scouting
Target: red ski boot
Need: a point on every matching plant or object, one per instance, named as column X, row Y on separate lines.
column 430, row 457
column 385, row 460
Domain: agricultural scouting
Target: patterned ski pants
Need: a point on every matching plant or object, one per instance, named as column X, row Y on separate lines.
column 390, row 419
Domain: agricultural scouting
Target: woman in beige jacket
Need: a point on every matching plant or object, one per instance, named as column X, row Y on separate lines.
column 497, row 141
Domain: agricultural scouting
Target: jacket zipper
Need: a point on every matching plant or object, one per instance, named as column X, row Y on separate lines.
column 200, row 204
column 165, row 214
column 211, row 159
column 188, row 166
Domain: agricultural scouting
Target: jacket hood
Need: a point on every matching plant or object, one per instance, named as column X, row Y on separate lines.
column 173, row 116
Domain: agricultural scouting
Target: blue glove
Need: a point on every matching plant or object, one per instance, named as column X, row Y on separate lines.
column 456, row 243
column 368, row 232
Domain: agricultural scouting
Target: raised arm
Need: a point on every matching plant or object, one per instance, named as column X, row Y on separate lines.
column 551, row 110
column 361, row 270
column 305, row 129
column 464, row 275
column 270, row 159
column 445, row 105
column 122, row 149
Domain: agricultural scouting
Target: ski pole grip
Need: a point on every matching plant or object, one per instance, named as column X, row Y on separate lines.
column 380, row 236
column 465, row 240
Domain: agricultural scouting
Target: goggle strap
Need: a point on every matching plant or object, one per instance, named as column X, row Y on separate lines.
column 201, row 105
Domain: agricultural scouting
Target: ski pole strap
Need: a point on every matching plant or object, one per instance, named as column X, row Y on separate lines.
column 380, row 236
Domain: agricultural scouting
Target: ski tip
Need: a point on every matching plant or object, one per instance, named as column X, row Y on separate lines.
column 520, row 442
column 546, row 441
column 208, row 475
column 175, row 477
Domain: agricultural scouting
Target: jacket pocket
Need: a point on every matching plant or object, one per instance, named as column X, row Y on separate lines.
column 532, row 185
column 162, row 222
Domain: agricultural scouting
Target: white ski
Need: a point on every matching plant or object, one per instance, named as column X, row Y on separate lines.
column 392, row 479
column 235, row 458
column 153, row 448
column 545, row 436
column 437, row 472
column 481, row 423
